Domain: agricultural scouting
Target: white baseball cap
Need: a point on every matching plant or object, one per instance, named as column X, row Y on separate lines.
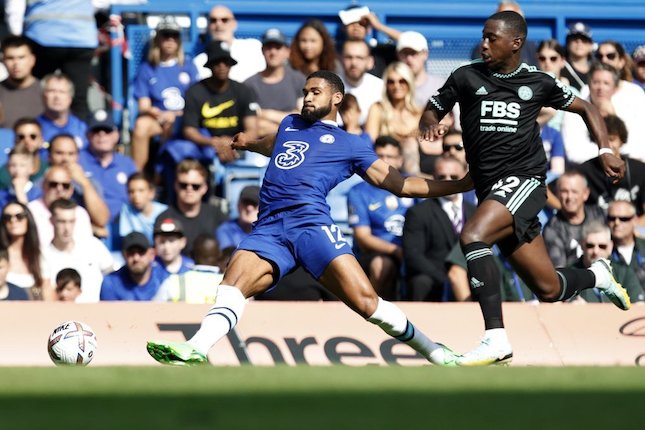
column 412, row 40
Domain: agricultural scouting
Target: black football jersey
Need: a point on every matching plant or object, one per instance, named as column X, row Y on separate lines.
column 498, row 118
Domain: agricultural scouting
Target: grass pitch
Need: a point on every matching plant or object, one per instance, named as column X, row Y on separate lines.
column 310, row 398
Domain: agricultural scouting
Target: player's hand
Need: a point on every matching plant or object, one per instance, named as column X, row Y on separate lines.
column 225, row 151
column 613, row 166
column 239, row 141
column 432, row 132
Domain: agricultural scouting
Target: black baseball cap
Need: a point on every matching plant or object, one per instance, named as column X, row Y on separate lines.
column 168, row 225
column 135, row 239
column 218, row 50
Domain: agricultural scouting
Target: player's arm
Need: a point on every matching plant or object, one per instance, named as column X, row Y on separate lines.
column 262, row 146
column 384, row 176
column 613, row 166
column 429, row 126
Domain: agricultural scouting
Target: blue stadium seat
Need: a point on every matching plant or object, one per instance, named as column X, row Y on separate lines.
column 234, row 182
column 7, row 140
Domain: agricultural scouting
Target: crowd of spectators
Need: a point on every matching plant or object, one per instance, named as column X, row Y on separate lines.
column 91, row 212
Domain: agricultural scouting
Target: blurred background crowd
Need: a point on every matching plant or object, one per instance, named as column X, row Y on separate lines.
column 142, row 199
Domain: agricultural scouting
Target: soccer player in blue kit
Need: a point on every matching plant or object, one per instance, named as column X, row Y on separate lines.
column 310, row 155
column 500, row 98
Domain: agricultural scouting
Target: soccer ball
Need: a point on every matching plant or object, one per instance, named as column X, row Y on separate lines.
column 72, row 343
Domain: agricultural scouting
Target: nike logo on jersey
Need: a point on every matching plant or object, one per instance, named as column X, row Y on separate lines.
column 374, row 206
column 481, row 91
column 291, row 129
column 340, row 245
column 209, row 111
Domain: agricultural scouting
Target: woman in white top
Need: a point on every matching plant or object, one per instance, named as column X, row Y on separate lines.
column 18, row 234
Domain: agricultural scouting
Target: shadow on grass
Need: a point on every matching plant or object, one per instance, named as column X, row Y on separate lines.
column 329, row 411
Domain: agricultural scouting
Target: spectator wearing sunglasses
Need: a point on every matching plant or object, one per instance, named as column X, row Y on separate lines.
column 629, row 249
column 57, row 184
column 596, row 243
column 631, row 187
column 638, row 57
column 246, row 52
column 104, row 164
column 27, row 132
column 27, row 267
column 196, row 216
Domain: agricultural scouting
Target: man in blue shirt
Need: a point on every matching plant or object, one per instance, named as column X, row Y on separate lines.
column 103, row 164
column 377, row 217
column 140, row 277
column 310, row 155
column 57, row 117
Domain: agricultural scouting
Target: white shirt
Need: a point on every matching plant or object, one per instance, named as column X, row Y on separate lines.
column 247, row 53
column 368, row 91
column 42, row 216
column 628, row 103
column 90, row 258
column 454, row 210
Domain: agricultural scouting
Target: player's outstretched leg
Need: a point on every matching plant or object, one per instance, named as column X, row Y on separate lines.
column 393, row 321
column 608, row 285
column 219, row 320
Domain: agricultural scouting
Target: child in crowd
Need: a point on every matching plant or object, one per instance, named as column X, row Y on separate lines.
column 9, row 291
column 68, row 285
column 20, row 166
column 140, row 212
column 350, row 113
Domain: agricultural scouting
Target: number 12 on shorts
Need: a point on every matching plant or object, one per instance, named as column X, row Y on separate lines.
column 334, row 235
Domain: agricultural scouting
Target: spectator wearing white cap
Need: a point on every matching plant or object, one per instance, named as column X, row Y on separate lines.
column 278, row 88
column 412, row 49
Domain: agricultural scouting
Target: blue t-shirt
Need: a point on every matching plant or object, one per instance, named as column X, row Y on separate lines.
column 113, row 178
column 165, row 85
column 552, row 142
column 119, row 286
column 131, row 220
column 308, row 160
column 16, row 293
column 378, row 209
column 74, row 126
column 229, row 234
column 9, row 195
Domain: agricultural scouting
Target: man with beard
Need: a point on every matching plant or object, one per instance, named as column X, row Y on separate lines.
column 310, row 154
column 139, row 279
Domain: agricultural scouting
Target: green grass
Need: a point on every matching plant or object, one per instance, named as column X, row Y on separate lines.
column 309, row 398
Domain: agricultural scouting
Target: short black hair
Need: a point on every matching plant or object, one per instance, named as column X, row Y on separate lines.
column 66, row 276
column 513, row 20
column 62, row 203
column 616, row 126
column 383, row 141
column 16, row 42
column 332, row 79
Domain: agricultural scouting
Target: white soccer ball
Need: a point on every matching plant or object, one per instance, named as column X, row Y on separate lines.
column 72, row 343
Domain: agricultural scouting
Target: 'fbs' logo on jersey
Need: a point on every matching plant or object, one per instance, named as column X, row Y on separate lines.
column 500, row 115
column 293, row 156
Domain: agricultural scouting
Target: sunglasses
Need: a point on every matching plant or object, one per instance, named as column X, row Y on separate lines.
column 186, row 185
column 169, row 35
column 457, row 147
column 552, row 59
column 31, row 136
column 599, row 245
column 55, row 184
column 20, row 216
column 610, row 56
column 447, row 177
column 393, row 81
column 621, row 218
column 216, row 19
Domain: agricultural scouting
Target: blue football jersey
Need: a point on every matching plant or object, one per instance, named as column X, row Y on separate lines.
column 309, row 160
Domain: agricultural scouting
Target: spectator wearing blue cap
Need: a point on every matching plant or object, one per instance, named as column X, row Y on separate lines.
column 103, row 164
column 278, row 87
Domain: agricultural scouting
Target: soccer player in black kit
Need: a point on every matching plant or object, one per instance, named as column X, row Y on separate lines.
column 500, row 98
